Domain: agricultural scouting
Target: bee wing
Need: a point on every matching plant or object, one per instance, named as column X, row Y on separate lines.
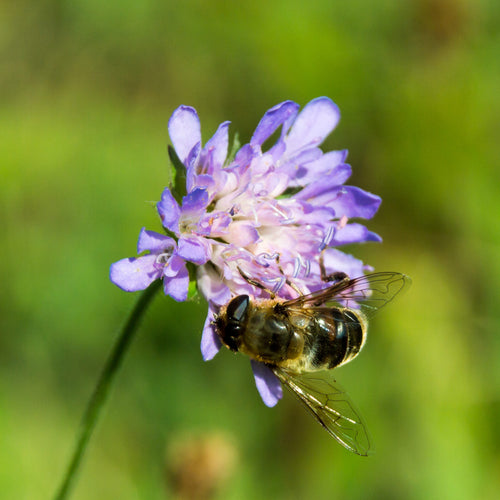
column 331, row 406
column 368, row 293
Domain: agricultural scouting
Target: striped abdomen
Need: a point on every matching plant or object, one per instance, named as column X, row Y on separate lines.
column 332, row 337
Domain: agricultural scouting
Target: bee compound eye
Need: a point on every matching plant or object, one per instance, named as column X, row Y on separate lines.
column 233, row 329
column 231, row 335
column 237, row 308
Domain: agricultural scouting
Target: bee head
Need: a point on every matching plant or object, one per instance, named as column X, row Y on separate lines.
column 231, row 324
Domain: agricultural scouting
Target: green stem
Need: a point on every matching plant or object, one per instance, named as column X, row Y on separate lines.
column 100, row 394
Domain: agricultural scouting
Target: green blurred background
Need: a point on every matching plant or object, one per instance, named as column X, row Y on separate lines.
column 86, row 89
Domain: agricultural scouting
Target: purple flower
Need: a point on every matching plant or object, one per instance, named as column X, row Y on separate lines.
column 163, row 261
column 287, row 202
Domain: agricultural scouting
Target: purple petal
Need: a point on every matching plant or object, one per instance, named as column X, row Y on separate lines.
column 207, row 182
column 192, row 163
column 340, row 173
column 330, row 165
column 214, row 224
column 353, row 233
column 270, row 185
column 211, row 285
column 177, row 286
column 278, row 150
column 306, row 156
column 154, row 242
column 326, row 187
column 184, row 131
column 273, row 118
column 336, row 157
column 174, row 266
column 242, row 234
column 169, row 211
column 210, row 342
column 315, row 215
column 135, row 273
column 335, row 260
column 280, row 147
column 352, row 202
column 195, row 202
column 318, row 118
column 193, row 156
column 267, row 383
column 191, row 167
column 243, row 157
column 215, row 151
column 194, row 249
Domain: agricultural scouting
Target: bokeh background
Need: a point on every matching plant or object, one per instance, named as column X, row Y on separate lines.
column 86, row 89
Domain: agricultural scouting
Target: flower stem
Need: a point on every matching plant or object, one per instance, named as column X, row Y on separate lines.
column 100, row 394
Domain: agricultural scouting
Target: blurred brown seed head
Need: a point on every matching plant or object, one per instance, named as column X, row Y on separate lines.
column 198, row 466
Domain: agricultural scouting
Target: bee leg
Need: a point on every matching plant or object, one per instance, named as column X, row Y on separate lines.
column 287, row 281
column 255, row 283
column 336, row 277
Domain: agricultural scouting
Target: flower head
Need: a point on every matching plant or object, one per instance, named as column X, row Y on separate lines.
column 267, row 212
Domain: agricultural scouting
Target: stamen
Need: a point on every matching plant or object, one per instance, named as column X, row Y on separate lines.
column 263, row 258
column 280, row 282
column 308, row 268
column 255, row 216
column 330, row 233
column 297, row 266
column 163, row 258
column 282, row 214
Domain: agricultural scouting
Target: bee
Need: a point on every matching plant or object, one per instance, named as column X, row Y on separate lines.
column 302, row 339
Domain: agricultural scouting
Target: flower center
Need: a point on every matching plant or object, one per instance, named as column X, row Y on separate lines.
column 163, row 258
column 188, row 225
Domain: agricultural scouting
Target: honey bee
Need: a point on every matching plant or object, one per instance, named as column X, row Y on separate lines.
column 312, row 333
